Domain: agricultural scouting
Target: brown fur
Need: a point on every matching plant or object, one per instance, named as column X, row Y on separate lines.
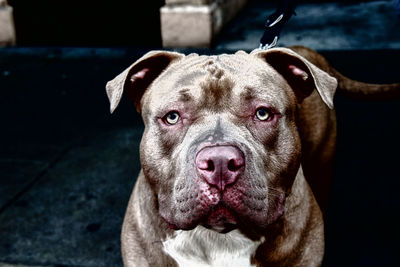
column 216, row 97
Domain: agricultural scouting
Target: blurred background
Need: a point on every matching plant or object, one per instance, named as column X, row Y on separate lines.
column 67, row 166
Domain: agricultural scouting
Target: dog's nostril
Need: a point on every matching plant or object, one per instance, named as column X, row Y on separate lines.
column 210, row 165
column 232, row 166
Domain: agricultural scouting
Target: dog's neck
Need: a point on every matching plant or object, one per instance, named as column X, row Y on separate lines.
column 204, row 247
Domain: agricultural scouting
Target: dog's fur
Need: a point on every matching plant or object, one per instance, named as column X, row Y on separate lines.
column 268, row 216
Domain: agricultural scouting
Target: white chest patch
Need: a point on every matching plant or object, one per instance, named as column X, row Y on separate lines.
column 204, row 247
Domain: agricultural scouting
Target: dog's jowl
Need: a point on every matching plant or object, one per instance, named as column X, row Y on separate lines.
column 231, row 145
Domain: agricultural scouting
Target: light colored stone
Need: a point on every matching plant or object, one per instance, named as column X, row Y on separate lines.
column 7, row 29
column 192, row 25
column 186, row 26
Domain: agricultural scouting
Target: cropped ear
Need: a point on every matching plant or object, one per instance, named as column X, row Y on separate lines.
column 137, row 78
column 301, row 75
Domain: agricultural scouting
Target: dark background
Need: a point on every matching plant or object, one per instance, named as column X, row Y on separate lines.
column 87, row 23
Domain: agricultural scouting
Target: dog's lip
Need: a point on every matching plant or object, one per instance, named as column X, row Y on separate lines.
column 220, row 218
column 174, row 226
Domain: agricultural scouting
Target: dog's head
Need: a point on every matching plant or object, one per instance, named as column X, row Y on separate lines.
column 221, row 146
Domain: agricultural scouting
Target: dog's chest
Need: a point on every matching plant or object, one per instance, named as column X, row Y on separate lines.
column 203, row 247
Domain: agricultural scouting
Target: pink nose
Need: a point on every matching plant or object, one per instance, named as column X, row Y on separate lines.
column 220, row 165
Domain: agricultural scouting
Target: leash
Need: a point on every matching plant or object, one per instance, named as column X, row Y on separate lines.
column 275, row 23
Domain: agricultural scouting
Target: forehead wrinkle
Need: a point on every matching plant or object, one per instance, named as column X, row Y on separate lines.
column 216, row 91
column 248, row 93
column 185, row 96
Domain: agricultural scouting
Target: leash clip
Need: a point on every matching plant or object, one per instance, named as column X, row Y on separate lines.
column 268, row 46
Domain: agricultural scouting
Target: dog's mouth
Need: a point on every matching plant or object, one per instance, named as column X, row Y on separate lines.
column 220, row 219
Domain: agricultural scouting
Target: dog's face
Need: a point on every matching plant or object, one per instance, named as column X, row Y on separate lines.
column 221, row 146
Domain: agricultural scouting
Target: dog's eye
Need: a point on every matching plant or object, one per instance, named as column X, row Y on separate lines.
column 263, row 114
column 172, row 117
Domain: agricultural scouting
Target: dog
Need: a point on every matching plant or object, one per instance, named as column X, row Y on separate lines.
column 236, row 156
